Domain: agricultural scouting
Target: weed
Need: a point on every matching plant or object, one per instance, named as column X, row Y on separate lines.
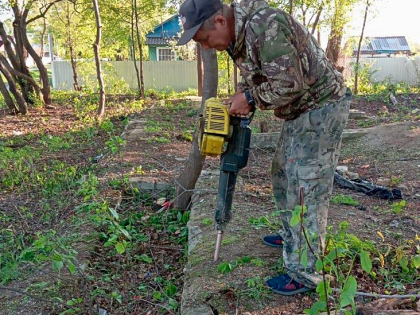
column 207, row 221
column 192, row 113
column 367, row 123
column 398, row 207
column 158, row 140
column 256, row 289
column 225, row 267
column 186, row 135
column 344, row 200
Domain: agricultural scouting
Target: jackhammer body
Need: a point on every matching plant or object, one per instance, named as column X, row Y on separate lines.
column 230, row 137
column 232, row 160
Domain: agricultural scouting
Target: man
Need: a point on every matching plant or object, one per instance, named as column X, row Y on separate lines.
column 284, row 70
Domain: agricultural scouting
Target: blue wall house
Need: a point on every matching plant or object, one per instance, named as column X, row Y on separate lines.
column 158, row 40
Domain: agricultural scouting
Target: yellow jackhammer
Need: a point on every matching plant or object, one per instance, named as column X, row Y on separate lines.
column 229, row 137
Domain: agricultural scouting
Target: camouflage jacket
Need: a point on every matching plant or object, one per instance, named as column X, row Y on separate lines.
column 280, row 62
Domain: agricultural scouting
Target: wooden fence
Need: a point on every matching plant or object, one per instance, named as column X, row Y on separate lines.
column 177, row 75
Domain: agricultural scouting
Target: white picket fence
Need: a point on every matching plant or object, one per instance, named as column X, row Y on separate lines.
column 182, row 75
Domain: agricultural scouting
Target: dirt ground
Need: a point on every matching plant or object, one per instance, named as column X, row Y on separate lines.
column 389, row 155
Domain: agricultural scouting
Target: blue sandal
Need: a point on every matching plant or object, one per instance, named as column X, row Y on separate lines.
column 273, row 241
column 285, row 285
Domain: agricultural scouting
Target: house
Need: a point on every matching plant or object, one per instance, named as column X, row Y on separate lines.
column 159, row 40
column 383, row 46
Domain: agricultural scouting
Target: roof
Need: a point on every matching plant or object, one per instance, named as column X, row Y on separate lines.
column 156, row 41
column 384, row 45
column 165, row 31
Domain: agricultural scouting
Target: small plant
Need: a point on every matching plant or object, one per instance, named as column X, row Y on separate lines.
column 398, row 207
column 115, row 143
column 344, row 200
column 226, row 267
column 256, row 289
column 186, row 135
column 138, row 170
column 207, row 221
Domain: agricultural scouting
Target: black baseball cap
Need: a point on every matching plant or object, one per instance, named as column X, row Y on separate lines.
column 193, row 13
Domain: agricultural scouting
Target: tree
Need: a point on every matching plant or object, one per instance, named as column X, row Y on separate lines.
column 188, row 178
column 338, row 20
column 357, row 66
column 96, row 49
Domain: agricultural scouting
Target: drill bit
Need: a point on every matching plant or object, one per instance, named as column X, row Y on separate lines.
column 218, row 243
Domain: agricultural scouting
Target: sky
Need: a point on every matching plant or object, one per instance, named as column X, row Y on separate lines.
column 389, row 18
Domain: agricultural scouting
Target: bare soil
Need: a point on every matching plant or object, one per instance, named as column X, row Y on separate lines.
column 389, row 155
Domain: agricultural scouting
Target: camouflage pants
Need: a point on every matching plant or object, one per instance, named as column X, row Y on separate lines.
column 306, row 156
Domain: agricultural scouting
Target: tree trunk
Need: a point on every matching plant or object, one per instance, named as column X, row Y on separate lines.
column 140, row 50
column 22, row 106
column 21, row 53
column 21, row 75
column 73, row 61
column 46, row 90
column 44, row 29
column 96, row 46
column 133, row 41
column 199, row 70
column 333, row 47
column 356, row 74
column 8, row 47
column 318, row 16
column 7, row 99
column 291, row 7
column 188, row 178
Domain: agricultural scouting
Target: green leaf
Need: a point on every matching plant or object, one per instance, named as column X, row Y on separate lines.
column 365, row 261
column 71, row 267
column 317, row 307
column 125, row 232
column 224, row 267
column 321, row 288
column 319, row 265
column 120, row 248
column 114, row 213
column 294, row 220
column 404, row 264
column 171, row 289
column 415, row 262
column 57, row 265
column 157, row 295
column 173, row 305
column 144, row 258
column 348, row 293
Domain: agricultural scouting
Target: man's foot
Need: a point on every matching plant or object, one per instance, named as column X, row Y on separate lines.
column 273, row 241
column 285, row 285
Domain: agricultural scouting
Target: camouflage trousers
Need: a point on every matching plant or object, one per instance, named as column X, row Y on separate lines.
column 306, row 156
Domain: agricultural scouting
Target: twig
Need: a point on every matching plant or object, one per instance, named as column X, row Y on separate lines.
column 25, row 293
column 170, row 248
column 154, row 304
column 383, row 296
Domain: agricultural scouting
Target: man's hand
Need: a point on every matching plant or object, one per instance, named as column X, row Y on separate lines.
column 238, row 105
